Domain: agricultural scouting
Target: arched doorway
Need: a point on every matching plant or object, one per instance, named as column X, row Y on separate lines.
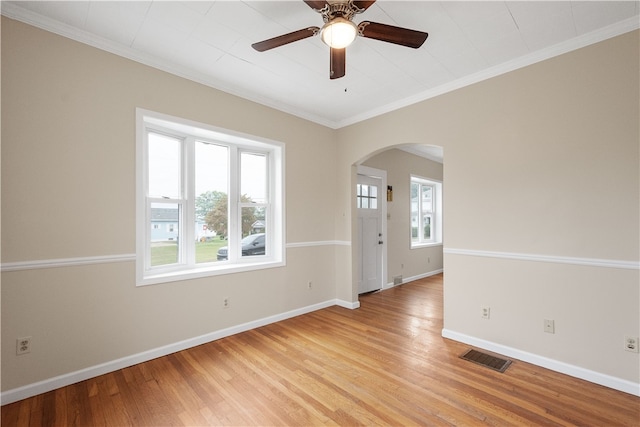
column 406, row 258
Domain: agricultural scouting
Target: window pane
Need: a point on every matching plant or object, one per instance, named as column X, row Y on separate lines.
column 165, row 233
column 164, row 166
column 211, row 189
column 427, row 198
column 426, row 227
column 253, row 231
column 415, row 190
column 253, row 177
column 373, row 194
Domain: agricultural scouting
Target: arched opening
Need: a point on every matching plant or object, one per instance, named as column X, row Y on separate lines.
column 412, row 240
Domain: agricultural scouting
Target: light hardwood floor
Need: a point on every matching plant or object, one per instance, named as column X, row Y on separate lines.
column 382, row 364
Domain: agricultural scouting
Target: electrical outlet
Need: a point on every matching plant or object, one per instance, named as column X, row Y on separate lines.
column 631, row 344
column 485, row 312
column 23, row 345
column 309, row 284
column 549, row 326
column 225, row 302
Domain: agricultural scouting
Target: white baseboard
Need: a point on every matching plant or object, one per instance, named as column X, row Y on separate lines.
column 554, row 365
column 412, row 278
column 347, row 304
column 47, row 385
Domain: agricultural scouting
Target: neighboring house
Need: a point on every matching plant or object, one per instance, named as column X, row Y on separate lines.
column 164, row 226
column 257, row 227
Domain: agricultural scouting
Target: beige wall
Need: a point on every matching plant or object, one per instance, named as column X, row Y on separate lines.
column 401, row 259
column 543, row 161
column 68, row 191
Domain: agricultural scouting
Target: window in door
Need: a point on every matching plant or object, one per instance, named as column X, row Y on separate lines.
column 367, row 196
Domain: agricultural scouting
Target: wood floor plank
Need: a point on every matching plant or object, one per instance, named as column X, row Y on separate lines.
column 385, row 363
column 11, row 413
column 257, row 374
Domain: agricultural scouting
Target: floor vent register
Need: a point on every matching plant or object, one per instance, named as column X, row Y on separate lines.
column 487, row 360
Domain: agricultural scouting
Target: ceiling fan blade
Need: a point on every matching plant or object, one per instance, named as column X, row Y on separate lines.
column 337, row 63
column 363, row 4
column 391, row 34
column 315, row 4
column 285, row 39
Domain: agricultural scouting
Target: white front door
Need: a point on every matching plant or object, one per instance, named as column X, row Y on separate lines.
column 370, row 198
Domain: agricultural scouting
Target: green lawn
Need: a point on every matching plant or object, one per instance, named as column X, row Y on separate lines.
column 167, row 252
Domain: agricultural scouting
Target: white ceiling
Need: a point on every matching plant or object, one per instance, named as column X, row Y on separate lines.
column 210, row 42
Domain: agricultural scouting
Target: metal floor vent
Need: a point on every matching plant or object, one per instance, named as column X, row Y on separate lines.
column 491, row 362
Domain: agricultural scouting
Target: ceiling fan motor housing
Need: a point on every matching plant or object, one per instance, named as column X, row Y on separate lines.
column 344, row 10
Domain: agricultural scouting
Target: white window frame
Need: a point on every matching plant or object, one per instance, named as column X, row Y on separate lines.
column 436, row 213
column 186, row 268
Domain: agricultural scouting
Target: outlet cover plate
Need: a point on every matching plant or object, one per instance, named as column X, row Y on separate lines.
column 631, row 344
column 549, row 326
column 23, row 345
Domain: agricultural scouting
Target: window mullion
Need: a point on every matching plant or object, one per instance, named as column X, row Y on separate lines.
column 234, row 211
column 188, row 195
column 147, row 240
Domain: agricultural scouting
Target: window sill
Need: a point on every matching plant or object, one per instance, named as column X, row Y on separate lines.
column 425, row 245
column 197, row 273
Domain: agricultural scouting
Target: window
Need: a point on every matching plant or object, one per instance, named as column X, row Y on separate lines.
column 426, row 212
column 367, row 196
column 209, row 201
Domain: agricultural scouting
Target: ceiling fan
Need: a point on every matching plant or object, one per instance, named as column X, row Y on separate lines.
column 339, row 31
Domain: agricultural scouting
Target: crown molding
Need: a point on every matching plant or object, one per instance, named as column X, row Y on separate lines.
column 56, row 27
column 567, row 46
column 14, row 12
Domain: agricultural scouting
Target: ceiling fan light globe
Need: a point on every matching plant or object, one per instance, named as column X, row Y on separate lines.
column 339, row 33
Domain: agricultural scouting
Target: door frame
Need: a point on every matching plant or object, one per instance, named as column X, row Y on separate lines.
column 382, row 175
